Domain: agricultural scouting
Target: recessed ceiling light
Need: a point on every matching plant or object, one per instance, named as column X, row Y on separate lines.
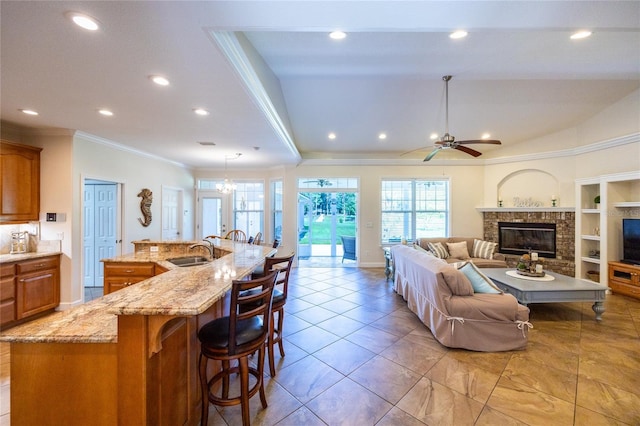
column 201, row 111
column 159, row 80
column 433, row 136
column 458, row 34
column 105, row 112
column 485, row 136
column 580, row 34
column 332, row 136
column 29, row 111
column 84, row 21
column 338, row 35
column 382, row 136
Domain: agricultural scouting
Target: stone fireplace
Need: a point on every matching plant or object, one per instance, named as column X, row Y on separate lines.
column 522, row 237
column 530, row 222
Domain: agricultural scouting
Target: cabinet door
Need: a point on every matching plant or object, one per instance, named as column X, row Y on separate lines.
column 37, row 292
column 19, row 183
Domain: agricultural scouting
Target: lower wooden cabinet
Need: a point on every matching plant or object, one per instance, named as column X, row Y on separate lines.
column 28, row 288
column 7, row 293
column 624, row 279
column 118, row 275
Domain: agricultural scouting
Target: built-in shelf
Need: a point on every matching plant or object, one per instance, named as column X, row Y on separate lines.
column 627, row 204
column 593, row 260
column 526, row 209
column 591, row 211
column 591, row 237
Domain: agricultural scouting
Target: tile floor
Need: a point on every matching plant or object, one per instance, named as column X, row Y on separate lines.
column 355, row 355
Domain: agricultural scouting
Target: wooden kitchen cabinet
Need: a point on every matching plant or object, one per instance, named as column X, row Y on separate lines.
column 118, row 275
column 19, row 183
column 624, row 279
column 38, row 286
column 28, row 288
column 7, row 293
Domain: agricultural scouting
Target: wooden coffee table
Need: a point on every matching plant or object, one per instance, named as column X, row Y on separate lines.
column 561, row 289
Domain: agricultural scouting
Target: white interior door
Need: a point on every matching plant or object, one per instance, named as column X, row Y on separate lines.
column 171, row 214
column 212, row 214
column 100, row 230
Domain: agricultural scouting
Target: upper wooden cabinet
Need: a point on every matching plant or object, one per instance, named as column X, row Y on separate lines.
column 19, row 183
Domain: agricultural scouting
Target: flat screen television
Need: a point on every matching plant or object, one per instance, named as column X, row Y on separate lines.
column 631, row 241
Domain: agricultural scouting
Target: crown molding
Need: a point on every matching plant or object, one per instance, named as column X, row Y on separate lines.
column 570, row 152
column 102, row 141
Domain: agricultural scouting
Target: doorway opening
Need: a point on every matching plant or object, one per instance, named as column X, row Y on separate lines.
column 327, row 222
column 213, row 217
column 101, row 235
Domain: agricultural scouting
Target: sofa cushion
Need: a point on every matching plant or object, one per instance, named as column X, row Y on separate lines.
column 438, row 250
column 479, row 281
column 458, row 250
column 483, row 249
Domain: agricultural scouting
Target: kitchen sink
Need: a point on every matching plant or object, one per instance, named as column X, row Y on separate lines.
column 189, row 261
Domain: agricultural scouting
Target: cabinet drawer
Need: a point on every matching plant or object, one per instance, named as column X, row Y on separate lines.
column 36, row 265
column 7, row 311
column 117, row 283
column 7, row 288
column 628, row 289
column 7, row 269
column 129, row 269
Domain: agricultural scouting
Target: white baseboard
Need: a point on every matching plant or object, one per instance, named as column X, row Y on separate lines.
column 68, row 305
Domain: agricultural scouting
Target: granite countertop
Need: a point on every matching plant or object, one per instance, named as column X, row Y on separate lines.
column 16, row 257
column 180, row 291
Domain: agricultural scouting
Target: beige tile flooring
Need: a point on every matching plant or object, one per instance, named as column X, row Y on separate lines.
column 355, row 355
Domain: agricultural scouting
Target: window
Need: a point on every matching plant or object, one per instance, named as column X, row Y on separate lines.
column 276, row 209
column 248, row 207
column 414, row 208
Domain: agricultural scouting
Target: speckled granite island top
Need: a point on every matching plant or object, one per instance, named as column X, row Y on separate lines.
column 180, row 291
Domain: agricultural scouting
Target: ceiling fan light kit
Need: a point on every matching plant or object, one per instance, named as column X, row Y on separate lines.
column 448, row 141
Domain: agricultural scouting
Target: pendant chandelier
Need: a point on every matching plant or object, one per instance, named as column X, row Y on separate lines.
column 227, row 187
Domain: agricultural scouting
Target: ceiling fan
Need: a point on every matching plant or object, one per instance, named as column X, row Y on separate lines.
column 448, row 141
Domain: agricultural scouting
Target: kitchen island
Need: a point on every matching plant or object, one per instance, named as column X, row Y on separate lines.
column 129, row 357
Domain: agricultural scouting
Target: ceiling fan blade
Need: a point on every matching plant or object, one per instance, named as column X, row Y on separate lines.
column 487, row 141
column 424, row 148
column 468, row 150
column 431, row 154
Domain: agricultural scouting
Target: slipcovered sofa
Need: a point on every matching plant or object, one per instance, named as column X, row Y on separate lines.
column 483, row 258
column 444, row 300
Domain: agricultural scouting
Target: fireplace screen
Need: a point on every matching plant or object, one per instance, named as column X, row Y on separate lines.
column 520, row 238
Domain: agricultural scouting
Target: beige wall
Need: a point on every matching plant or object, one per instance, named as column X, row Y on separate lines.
column 95, row 160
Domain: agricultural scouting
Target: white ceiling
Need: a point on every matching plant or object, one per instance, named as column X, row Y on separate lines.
column 517, row 75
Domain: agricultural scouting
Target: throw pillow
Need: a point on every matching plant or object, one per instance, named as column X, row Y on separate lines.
column 479, row 281
column 438, row 250
column 483, row 249
column 459, row 250
column 419, row 248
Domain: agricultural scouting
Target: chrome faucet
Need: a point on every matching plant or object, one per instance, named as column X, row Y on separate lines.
column 208, row 246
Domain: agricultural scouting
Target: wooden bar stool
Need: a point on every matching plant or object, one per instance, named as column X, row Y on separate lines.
column 236, row 235
column 282, row 266
column 234, row 338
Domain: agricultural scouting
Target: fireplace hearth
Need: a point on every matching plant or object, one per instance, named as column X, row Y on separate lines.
column 520, row 238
